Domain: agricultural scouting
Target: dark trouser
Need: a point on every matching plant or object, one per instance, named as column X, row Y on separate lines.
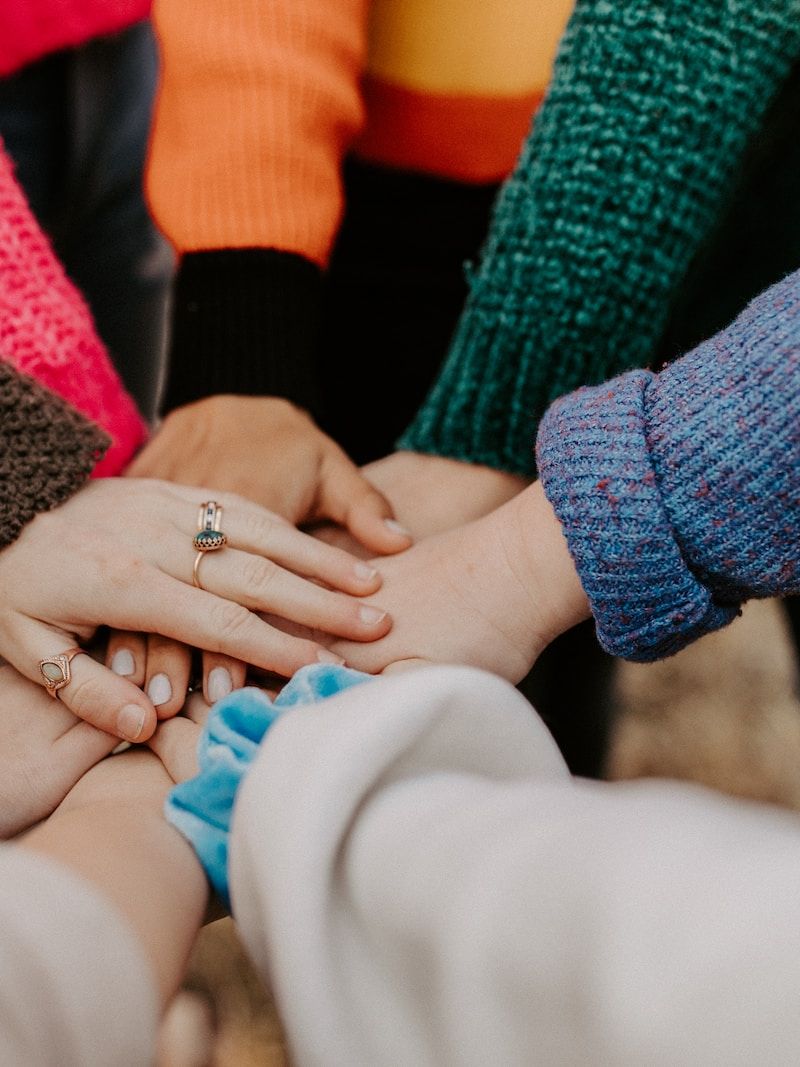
column 76, row 125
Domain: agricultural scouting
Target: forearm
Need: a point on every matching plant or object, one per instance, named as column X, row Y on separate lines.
column 363, row 748
column 677, row 492
column 626, row 170
column 143, row 868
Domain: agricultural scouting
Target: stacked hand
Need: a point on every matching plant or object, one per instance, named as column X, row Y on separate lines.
column 120, row 553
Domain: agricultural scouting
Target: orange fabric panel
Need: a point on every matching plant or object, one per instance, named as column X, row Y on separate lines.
column 257, row 104
column 466, row 138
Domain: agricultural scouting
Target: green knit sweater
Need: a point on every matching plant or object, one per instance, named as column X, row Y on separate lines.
column 631, row 162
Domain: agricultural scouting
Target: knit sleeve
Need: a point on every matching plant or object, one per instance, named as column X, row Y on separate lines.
column 47, row 451
column 257, row 106
column 627, row 168
column 679, row 493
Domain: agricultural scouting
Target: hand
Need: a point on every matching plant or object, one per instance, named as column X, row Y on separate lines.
column 431, row 494
column 491, row 594
column 120, row 553
column 269, row 451
column 44, row 750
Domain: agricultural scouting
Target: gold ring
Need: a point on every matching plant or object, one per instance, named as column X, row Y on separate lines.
column 209, row 537
column 56, row 670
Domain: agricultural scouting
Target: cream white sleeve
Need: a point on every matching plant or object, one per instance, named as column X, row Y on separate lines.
column 424, row 884
column 76, row 990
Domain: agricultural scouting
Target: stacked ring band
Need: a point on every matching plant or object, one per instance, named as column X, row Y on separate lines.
column 209, row 536
column 56, row 671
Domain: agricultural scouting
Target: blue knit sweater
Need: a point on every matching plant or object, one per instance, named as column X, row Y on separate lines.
column 679, row 492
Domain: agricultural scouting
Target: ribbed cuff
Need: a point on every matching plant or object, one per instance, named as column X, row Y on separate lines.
column 474, row 412
column 47, row 451
column 597, row 473
column 244, row 321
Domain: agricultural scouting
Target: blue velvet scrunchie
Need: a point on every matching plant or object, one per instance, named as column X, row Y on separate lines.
column 201, row 808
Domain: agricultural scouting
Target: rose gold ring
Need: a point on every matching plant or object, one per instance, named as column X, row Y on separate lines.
column 56, row 670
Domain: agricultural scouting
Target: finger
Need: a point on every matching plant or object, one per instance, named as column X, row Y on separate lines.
column 169, row 664
column 251, row 528
column 262, row 585
column 257, row 531
column 400, row 666
column 197, row 709
column 221, row 675
column 81, row 747
column 347, row 498
column 175, row 744
column 126, row 655
column 94, row 693
column 175, row 609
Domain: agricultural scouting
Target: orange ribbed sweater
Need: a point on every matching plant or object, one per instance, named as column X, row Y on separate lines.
column 261, row 99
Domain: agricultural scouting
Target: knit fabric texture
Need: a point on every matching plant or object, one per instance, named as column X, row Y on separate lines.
column 47, row 451
column 202, row 807
column 46, row 329
column 630, row 162
column 30, row 29
column 679, row 493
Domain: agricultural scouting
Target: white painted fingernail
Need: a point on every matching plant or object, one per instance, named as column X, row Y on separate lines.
column 122, row 662
column 159, row 689
column 365, row 572
column 395, row 527
column 329, row 657
column 220, row 684
column 371, row 616
column 130, row 721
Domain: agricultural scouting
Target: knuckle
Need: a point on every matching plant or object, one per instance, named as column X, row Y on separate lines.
column 86, row 699
column 259, row 527
column 259, row 574
column 231, row 621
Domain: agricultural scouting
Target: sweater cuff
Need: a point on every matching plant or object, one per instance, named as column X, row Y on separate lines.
column 598, row 475
column 244, row 321
column 47, row 451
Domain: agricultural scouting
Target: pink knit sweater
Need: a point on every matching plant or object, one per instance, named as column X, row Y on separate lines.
column 46, row 330
column 30, row 29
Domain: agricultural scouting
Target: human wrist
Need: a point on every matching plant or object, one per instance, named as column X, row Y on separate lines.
column 432, row 493
column 536, row 539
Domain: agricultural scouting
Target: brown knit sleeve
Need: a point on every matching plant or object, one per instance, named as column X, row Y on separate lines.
column 47, row 451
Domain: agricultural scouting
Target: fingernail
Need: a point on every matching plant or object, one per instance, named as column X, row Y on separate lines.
column 395, row 527
column 329, row 657
column 371, row 616
column 122, row 662
column 159, row 689
column 130, row 721
column 365, row 572
column 220, row 684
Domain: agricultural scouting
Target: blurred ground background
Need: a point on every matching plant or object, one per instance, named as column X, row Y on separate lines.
column 724, row 712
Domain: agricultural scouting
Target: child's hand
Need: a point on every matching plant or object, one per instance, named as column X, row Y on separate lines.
column 44, row 750
column 491, row 594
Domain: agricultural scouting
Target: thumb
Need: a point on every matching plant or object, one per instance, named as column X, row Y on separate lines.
column 347, row 498
column 400, row 666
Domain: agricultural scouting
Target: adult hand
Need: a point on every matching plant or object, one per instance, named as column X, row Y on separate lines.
column 120, row 553
column 431, row 494
column 44, row 750
column 269, row 451
column 491, row 594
